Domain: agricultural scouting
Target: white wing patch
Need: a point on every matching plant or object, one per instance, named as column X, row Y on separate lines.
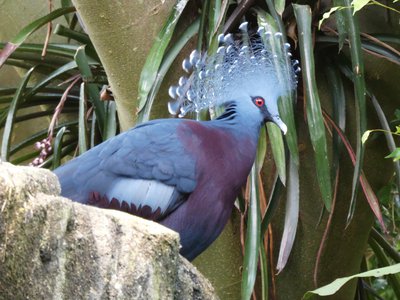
column 142, row 192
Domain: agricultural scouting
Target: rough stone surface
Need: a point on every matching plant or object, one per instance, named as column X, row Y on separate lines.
column 53, row 248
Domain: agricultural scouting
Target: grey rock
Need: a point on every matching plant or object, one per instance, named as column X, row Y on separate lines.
column 53, row 248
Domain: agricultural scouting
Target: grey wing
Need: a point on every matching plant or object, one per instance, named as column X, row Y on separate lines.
column 145, row 171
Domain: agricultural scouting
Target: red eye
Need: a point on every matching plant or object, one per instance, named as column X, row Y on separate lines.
column 259, row 101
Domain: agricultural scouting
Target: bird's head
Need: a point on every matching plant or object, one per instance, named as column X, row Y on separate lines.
column 254, row 73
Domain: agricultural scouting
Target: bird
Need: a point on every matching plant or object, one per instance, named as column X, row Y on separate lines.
column 182, row 173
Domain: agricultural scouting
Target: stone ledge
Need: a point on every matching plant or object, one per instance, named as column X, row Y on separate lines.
column 51, row 247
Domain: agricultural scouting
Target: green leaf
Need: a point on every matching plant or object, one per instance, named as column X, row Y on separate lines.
column 28, row 30
column 277, row 18
column 340, row 24
column 168, row 59
column 291, row 216
column 397, row 130
column 82, row 136
column 82, row 38
column 29, row 141
column 327, row 15
column 216, row 18
column 202, row 33
column 273, row 202
column 93, row 133
column 368, row 192
column 49, row 78
column 68, row 147
column 359, row 4
column 264, row 272
column 63, row 50
column 252, row 244
column 314, row 113
column 365, row 136
column 278, row 150
column 262, row 148
column 333, row 76
column 153, row 61
column 333, row 287
column 12, row 111
column 93, row 90
column 111, row 120
column 285, row 104
column 58, row 147
column 279, row 6
column 64, row 4
column 357, row 62
column 25, row 157
column 383, row 260
column 385, row 245
column 395, row 154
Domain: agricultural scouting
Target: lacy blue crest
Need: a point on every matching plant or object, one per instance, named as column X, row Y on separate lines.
column 257, row 63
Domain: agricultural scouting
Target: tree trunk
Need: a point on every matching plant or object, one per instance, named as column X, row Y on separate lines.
column 123, row 32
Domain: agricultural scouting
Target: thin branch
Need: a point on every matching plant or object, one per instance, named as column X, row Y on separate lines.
column 49, row 29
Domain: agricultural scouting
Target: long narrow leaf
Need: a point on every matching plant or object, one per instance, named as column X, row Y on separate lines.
column 220, row 11
column 261, row 148
column 39, row 114
column 82, row 137
column 29, row 141
column 338, row 111
column 383, row 260
column 272, row 204
column 93, row 131
column 278, row 150
column 368, row 192
column 65, row 4
column 111, row 121
column 63, row 50
column 369, row 47
column 279, row 6
column 77, row 36
column 264, row 272
column 252, row 243
column 340, row 23
column 57, row 148
column 314, row 114
column 168, row 59
column 25, row 157
column 93, row 90
column 333, row 287
column 12, row 110
column 389, row 137
column 217, row 14
column 153, row 61
column 28, row 30
column 382, row 242
column 286, row 104
column 82, row 38
column 360, row 92
column 202, row 27
column 291, row 216
column 48, row 79
column 68, row 147
column 274, row 9
column 381, row 116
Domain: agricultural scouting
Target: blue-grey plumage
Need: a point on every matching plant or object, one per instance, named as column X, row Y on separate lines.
column 182, row 173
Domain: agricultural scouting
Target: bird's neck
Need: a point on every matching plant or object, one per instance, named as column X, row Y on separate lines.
column 239, row 121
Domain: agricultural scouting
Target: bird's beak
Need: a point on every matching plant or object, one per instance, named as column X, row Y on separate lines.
column 280, row 124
